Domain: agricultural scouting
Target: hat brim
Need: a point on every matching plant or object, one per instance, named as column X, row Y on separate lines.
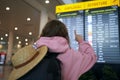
column 17, row 73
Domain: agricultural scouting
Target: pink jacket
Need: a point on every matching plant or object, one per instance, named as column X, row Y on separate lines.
column 74, row 63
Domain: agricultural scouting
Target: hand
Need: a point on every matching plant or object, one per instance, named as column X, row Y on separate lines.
column 78, row 37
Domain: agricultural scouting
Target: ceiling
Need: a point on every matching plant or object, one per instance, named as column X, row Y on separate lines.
column 19, row 11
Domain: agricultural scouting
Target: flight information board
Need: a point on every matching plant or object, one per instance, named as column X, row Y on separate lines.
column 73, row 21
column 102, row 32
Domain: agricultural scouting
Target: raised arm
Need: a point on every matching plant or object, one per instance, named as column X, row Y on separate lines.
column 87, row 54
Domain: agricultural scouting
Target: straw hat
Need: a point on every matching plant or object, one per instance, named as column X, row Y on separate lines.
column 25, row 59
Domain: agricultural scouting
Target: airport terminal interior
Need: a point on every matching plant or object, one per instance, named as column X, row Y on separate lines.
column 21, row 23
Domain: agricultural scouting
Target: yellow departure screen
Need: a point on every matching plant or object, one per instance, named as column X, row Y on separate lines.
column 86, row 5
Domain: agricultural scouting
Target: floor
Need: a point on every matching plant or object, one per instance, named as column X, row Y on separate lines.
column 5, row 71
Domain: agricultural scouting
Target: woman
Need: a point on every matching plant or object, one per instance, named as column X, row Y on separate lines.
column 74, row 63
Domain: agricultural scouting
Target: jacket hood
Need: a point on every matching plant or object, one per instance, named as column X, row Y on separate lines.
column 74, row 63
column 55, row 44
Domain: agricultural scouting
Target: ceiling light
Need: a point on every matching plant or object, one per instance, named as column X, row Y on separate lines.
column 19, row 42
column 18, row 46
column 26, row 43
column 26, row 40
column 30, row 33
column 16, row 28
column 17, row 37
column 6, row 35
column 1, row 38
column 28, row 19
column 7, row 8
column 47, row 1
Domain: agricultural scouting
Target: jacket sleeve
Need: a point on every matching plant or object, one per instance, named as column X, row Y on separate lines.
column 88, row 56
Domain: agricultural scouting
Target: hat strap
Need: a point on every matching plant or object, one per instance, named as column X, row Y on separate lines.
column 23, row 64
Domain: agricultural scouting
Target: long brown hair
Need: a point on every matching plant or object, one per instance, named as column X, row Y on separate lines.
column 55, row 28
